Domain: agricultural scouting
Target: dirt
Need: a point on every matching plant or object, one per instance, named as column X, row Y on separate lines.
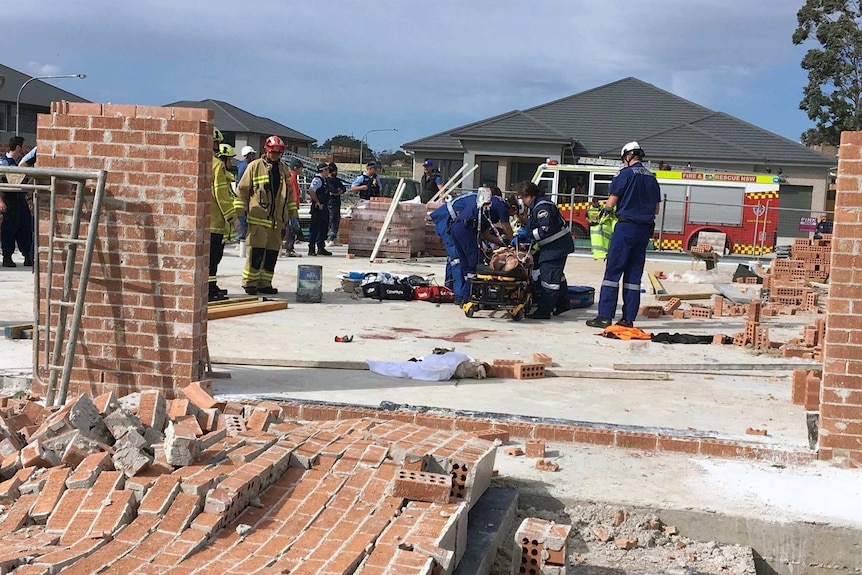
column 659, row 549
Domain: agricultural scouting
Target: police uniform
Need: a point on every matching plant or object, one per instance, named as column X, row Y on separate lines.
column 552, row 238
column 469, row 224
column 430, row 186
column 17, row 224
column 264, row 188
column 336, row 190
column 638, row 194
column 373, row 183
column 443, row 218
column 319, row 216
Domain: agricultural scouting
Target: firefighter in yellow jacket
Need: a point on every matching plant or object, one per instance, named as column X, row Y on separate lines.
column 265, row 189
column 601, row 229
column 222, row 215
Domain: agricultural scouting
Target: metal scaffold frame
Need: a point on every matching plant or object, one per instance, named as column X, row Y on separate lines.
column 56, row 361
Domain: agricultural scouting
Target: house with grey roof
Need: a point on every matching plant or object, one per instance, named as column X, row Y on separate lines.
column 35, row 99
column 242, row 128
column 598, row 122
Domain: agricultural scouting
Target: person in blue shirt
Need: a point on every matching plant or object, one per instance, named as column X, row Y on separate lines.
column 16, row 226
column 319, row 192
column 636, row 196
column 473, row 224
column 551, row 238
column 443, row 218
column 368, row 184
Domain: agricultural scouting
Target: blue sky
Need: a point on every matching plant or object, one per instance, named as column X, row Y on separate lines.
column 347, row 66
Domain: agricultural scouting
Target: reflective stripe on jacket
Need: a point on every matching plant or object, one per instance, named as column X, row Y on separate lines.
column 267, row 207
column 223, row 211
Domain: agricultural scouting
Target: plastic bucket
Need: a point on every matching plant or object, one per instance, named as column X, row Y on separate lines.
column 581, row 296
column 309, row 284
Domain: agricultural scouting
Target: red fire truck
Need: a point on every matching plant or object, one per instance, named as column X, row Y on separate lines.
column 743, row 206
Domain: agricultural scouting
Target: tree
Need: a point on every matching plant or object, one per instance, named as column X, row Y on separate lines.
column 833, row 96
column 388, row 156
column 350, row 142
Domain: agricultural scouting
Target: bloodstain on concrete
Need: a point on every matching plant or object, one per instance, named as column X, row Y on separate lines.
column 378, row 336
column 460, row 337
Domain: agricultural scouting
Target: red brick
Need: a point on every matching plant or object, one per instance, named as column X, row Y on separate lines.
column 421, row 486
column 535, row 448
column 633, row 440
column 594, row 436
column 678, row 444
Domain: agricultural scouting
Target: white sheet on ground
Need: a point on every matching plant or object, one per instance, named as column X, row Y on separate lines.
column 430, row 368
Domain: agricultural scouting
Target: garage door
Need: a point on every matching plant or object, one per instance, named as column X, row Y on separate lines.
column 793, row 198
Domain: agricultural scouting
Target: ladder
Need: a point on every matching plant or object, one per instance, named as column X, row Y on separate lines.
column 54, row 345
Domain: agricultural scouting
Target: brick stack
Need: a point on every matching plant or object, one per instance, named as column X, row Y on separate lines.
column 540, row 548
column 278, row 497
column 404, row 238
column 841, row 407
column 810, row 345
column 144, row 324
column 755, row 335
column 433, row 244
column 806, row 389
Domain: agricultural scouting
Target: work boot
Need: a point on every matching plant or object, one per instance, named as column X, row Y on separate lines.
column 267, row 290
column 8, row 263
column 324, row 252
column 625, row 323
column 563, row 307
column 216, row 296
column 312, row 254
column 218, row 290
column 250, row 290
column 293, row 254
column 601, row 322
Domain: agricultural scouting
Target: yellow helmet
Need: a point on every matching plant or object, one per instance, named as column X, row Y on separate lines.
column 218, row 137
column 226, row 150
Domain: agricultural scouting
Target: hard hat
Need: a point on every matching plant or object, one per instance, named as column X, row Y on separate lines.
column 632, row 147
column 226, row 150
column 246, row 150
column 218, row 137
column 274, row 144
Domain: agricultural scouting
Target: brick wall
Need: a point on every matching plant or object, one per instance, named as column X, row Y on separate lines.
column 841, row 394
column 144, row 324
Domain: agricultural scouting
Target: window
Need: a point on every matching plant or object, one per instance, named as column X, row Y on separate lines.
column 522, row 171
column 3, row 122
column 488, row 173
column 573, row 186
column 601, row 185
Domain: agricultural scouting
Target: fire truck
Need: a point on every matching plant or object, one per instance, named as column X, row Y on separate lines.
column 743, row 206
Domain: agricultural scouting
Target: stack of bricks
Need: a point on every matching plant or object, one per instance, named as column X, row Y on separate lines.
column 519, row 369
column 701, row 249
column 404, row 238
column 755, row 334
column 280, row 496
column 806, row 389
column 144, row 322
column 540, row 548
column 810, row 345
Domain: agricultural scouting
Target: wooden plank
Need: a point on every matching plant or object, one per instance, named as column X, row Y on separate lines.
column 389, row 215
column 657, row 288
column 716, row 367
column 235, row 301
column 668, row 296
column 245, row 309
column 18, row 331
column 595, row 374
column 299, row 363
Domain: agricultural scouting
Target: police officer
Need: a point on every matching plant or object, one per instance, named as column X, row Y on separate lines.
column 336, row 190
column 635, row 194
column 367, row 184
column 319, row 192
column 432, row 182
column 552, row 241
column 443, row 218
column 475, row 223
column 17, row 225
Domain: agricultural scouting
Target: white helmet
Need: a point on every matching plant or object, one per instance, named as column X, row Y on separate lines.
column 246, row 150
column 632, row 147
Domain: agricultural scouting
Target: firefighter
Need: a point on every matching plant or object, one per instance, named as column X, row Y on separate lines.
column 473, row 225
column 222, row 216
column 319, row 192
column 636, row 197
column 552, row 241
column 432, row 182
column 601, row 229
column 265, row 189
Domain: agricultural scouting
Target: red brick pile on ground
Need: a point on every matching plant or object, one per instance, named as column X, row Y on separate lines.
column 248, row 492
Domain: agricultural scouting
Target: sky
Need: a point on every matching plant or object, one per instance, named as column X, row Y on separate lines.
column 344, row 66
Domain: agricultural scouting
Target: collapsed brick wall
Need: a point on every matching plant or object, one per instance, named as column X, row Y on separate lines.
column 144, row 324
column 841, row 393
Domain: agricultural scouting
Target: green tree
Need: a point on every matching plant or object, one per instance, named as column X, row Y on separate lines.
column 389, row 156
column 350, row 142
column 833, row 96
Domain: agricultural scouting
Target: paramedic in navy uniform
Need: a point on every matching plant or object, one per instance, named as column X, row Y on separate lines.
column 635, row 194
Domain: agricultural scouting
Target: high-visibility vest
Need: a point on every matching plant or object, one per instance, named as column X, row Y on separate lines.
column 600, row 236
column 617, row 331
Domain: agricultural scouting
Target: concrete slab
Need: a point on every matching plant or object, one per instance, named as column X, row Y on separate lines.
column 488, row 524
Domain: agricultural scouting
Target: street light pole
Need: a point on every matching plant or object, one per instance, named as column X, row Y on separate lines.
column 364, row 140
column 24, row 85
